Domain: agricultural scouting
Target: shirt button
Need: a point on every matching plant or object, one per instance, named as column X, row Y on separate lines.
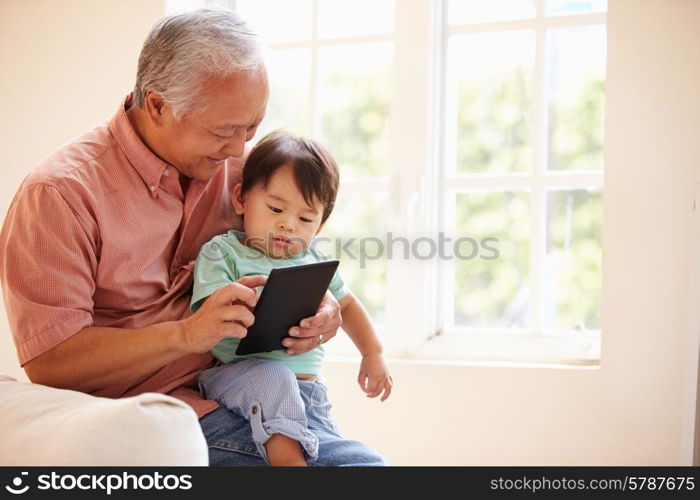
column 166, row 171
column 152, row 188
column 254, row 410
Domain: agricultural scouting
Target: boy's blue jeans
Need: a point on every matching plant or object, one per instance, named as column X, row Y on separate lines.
column 230, row 436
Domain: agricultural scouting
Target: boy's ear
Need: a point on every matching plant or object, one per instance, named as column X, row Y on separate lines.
column 237, row 199
column 320, row 227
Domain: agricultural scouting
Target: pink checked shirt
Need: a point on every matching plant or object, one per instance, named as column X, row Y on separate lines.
column 101, row 234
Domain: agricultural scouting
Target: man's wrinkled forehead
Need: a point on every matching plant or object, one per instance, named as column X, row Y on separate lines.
column 235, row 102
column 232, row 125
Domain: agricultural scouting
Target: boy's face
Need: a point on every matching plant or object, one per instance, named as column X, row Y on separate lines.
column 277, row 220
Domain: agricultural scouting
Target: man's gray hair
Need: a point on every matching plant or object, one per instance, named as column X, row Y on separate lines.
column 183, row 49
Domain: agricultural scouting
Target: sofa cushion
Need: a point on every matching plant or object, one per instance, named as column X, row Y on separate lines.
column 55, row 427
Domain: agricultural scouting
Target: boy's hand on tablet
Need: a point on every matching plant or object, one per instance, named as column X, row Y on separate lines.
column 374, row 376
column 317, row 329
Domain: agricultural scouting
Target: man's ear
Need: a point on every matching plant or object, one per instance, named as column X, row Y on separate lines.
column 237, row 199
column 155, row 106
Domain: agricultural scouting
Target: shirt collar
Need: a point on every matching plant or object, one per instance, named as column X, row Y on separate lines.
column 148, row 165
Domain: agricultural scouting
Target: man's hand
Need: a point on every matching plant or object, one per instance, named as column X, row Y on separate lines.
column 317, row 329
column 225, row 313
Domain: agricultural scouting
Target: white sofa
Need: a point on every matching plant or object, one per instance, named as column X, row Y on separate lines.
column 41, row 425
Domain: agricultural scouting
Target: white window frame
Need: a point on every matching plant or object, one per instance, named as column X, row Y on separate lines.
column 533, row 344
column 419, row 192
column 342, row 346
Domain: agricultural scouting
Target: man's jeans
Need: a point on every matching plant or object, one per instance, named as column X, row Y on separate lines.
column 230, row 440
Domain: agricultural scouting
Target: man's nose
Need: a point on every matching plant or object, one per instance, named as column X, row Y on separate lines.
column 235, row 146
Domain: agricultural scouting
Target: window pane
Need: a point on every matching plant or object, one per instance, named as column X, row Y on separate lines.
column 340, row 18
column 576, row 63
column 178, row 6
column 355, row 101
column 359, row 218
column 478, row 11
column 572, row 286
column 493, row 288
column 289, row 105
column 278, row 20
column 490, row 78
column 566, row 7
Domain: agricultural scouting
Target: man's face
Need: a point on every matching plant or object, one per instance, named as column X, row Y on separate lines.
column 276, row 218
column 198, row 143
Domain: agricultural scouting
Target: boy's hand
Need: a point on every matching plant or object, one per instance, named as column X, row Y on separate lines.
column 317, row 329
column 374, row 376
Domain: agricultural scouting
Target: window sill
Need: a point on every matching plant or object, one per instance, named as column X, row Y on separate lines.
column 573, row 350
column 394, row 360
column 513, row 350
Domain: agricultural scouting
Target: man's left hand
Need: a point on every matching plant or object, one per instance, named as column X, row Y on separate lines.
column 317, row 329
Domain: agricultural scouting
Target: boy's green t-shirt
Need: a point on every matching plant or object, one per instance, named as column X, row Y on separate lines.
column 223, row 260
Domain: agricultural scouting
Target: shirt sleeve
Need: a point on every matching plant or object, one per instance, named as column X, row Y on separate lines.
column 337, row 286
column 212, row 270
column 48, row 262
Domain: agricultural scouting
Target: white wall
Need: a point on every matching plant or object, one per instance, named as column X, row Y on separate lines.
column 66, row 65
column 631, row 410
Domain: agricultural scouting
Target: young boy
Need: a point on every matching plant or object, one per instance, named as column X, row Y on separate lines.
column 287, row 193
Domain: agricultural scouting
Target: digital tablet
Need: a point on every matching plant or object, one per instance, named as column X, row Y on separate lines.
column 290, row 295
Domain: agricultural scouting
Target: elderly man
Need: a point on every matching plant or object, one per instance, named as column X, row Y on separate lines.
column 98, row 245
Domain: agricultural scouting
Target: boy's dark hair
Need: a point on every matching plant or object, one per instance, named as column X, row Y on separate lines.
column 314, row 169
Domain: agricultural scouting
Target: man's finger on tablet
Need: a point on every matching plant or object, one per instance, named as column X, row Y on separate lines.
column 233, row 329
column 238, row 313
column 253, row 281
column 295, row 331
column 314, row 321
column 300, row 345
column 322, row 323
column 328, row 310
column 236, row 292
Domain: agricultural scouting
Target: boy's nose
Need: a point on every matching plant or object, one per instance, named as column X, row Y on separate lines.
column 285, row 225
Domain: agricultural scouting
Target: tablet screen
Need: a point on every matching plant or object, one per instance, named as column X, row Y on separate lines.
column 290, row 295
